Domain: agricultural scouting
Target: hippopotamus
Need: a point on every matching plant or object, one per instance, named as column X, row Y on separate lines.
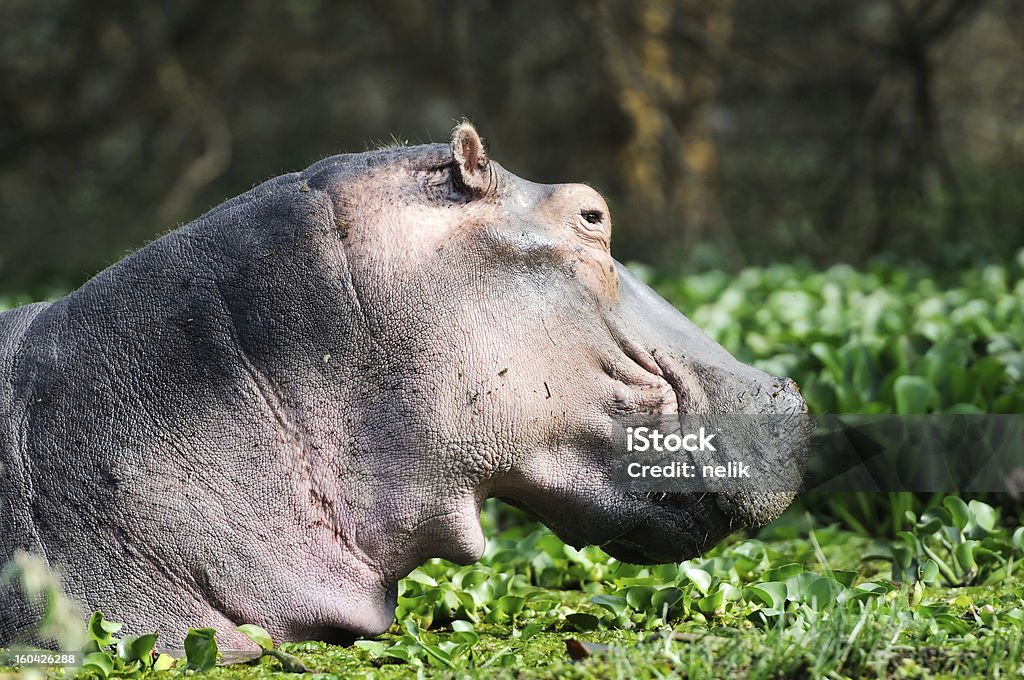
column 274, row 413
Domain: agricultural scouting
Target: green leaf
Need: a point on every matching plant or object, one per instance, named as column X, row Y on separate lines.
column 289, row 663
column 964, row 553
column 461, row 626
column 782, row 573
column 952, row 624
column 418, row 576
column 639, row 597
column 582, row 621
column 668, row 596
column 163, row 662
column 374, row 648
column 772, row 594
column 700, row 578
column 131, row 648
column 510, row 604
column 124, row 648
column 985, row 516
column 201, row 649
column 101, row 663
column 929, row 572
column 846, row 578
column 102, row 631
column 400, row 651
column 258, row 635
column 613, row 603
column 958, row 510
column 712, row 604
column 821, row 593
column 470, row 637
column 914, row 394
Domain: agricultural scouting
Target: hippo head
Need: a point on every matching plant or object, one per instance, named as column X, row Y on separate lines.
column 523, row 342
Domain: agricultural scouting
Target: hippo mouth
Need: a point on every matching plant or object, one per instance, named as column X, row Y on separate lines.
column 675, row 526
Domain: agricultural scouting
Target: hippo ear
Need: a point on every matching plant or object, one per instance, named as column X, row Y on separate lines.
column 471, row 159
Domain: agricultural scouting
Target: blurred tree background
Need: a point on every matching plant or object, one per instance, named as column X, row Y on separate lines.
column 723, row 132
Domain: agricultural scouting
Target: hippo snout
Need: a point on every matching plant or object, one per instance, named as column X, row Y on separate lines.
column 777, row 445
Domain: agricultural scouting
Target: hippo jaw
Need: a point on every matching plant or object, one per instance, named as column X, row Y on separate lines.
column 678, row 526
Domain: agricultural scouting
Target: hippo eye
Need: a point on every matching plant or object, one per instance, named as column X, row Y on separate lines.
column 593, row 216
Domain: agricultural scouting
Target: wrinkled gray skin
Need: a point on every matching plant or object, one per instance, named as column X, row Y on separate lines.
column 274, row 413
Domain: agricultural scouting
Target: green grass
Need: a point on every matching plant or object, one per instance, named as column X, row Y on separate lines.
column 791, row 602
column 861, row 586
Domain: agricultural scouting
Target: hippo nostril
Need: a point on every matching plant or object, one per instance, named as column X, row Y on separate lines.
column 786, row 396
column 790, row 385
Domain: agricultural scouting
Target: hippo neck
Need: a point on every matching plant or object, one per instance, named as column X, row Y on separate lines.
column 231, row 386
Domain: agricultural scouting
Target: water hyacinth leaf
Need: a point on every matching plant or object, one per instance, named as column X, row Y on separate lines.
column 821, row 593
column 965, row 558
column 460, row 626
column 624, row 583
column 583, row 622
column 772, row 594
column 625, row 570
column 201, row 649
column 700, row 578
column 613, row 603
column 639, row 597
column 100, row 663
column 510, row 604
column 374, row 648
column 665, row 572
column 929, row 572
column 1015, row 614
column 845, row 577
column 730, row 592
column 952, row 624
column 712, row 604
column 463, row 633
column 797, row 585
column 472, row 578
column 419, row 576
column 124, row 648
column 984, row 515
column 914, row 394
column 1018, row 539
column 880, row 550
column 164, row 662
column 102, row 631
column 258, row 635
column 927, row 524
column 933, row 609
column 131, row 648
column 412, row 628
column 668, row 597
column 542, row 605
column 936, row 514
column 289, row 663
column 468, row 637
column 958, row 510
column 400, row 651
